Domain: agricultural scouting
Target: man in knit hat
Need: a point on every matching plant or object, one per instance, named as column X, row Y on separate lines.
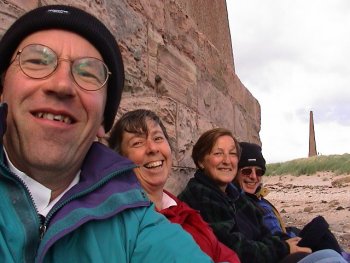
column 65, row 197
column 251, row 168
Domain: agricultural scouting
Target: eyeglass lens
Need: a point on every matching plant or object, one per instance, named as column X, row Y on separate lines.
column 39, row 61
column 249, row 171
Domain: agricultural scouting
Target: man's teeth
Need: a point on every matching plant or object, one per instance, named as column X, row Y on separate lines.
column 154, row 164
column 52, row 117
column 250, row 183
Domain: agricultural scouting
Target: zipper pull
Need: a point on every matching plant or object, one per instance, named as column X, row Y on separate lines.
column 42, row 231
column 42, row 228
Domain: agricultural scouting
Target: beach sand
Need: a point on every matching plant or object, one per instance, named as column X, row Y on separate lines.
column 301, row 198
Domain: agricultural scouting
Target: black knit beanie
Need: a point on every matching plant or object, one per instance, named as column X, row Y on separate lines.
column 82, row 23
column 251, row 155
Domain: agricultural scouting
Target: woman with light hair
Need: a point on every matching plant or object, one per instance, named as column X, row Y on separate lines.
column 235, row 220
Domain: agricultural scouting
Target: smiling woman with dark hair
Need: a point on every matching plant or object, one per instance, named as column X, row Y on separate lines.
column 141, row 136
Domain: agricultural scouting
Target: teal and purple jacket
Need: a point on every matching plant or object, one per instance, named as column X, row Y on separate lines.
column 106, row 217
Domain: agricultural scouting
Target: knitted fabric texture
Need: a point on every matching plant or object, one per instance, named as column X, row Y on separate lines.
column 251, row 156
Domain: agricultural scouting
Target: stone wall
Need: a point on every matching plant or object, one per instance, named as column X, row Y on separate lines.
column 178, row 62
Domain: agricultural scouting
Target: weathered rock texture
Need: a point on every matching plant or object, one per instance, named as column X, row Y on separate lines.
column 178, row 62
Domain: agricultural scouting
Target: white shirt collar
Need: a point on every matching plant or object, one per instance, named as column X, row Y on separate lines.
column 41, row 194
column 167, row 201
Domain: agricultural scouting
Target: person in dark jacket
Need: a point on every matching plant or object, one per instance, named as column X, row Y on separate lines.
column 236, row 221
column 64, row 196
column 141, row 136
column 251, row 168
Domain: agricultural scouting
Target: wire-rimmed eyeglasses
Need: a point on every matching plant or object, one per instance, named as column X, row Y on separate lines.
column 39, row 61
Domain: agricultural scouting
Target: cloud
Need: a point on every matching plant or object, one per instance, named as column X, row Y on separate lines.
column 293, row 57
column 334, row 110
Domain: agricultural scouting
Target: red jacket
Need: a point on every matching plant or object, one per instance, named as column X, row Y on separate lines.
column 192, row 222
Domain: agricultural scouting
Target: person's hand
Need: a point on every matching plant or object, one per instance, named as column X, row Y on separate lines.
column 293, row 246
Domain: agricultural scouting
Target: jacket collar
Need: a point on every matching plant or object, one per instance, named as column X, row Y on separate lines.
column 231, row 190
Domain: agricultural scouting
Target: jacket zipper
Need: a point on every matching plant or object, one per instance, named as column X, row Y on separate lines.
column 59, row 205
column 44, row 223
column 19, row 180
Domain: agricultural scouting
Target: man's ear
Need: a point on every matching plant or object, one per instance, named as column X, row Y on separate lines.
column 101, row 132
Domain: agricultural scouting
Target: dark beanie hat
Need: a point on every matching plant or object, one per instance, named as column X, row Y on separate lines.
column 82, row 23
column 251, row 156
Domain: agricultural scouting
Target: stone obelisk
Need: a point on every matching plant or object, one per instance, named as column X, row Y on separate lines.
column 312, row 139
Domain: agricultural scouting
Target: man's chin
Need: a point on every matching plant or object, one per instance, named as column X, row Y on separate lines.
column 249, row 190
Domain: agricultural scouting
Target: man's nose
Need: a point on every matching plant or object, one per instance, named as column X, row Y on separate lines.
column 62, row 82
column 253, row 174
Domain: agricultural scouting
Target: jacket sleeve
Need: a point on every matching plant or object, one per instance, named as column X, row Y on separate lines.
column 265, row 249
column 158, row 240
column 271, row 216
column 192, row 222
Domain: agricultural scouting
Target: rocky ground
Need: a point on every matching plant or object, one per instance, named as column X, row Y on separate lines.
column 301, row 198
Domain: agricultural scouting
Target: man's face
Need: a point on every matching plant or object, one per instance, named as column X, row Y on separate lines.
column 250, row 178
column 52, row 122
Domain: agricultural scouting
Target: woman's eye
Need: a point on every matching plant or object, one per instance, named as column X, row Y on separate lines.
column 159, row 138
column 137, row 143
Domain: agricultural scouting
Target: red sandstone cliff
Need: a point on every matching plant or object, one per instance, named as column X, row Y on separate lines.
column 179, row 62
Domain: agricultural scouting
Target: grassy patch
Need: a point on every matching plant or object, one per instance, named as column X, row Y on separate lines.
column 337, row 164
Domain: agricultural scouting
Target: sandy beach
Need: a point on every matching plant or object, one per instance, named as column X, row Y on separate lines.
column 301, row 198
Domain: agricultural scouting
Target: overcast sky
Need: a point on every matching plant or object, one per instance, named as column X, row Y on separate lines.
column 294, row 57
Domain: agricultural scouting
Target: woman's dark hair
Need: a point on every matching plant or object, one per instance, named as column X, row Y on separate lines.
column 206, row 142
column 133, row 122
column 2, row 79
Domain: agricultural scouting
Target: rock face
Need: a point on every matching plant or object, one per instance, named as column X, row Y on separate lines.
column 178, row 63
